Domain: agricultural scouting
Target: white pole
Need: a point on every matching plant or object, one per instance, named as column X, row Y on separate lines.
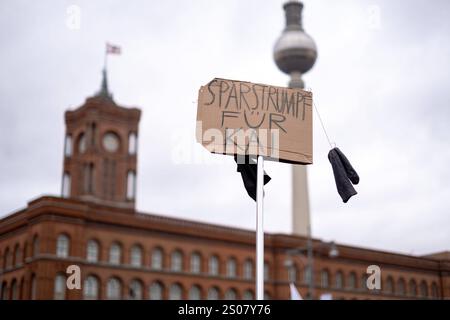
column 260, row 230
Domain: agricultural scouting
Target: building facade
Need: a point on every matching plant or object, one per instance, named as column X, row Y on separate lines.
column 125, row 254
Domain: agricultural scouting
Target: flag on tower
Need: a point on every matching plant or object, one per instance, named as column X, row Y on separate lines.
column 112, row 49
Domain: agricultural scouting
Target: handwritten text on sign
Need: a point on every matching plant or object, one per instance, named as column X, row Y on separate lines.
column 235, row 117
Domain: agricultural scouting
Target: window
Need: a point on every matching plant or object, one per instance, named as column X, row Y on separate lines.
column 195, row 293
column 33, row 287
column 35, row 246
column 213, row 266
column 248, row 269
column 292, row 273
column 307, row 275
column 339, row 281
column 352, row 280
column 175, row 292
column 231, row 294
column 114, row 289
column 68, row 146
column 132, row 143
column 6, row 259
column 231, row 268
column 60, row 287
column 196, row 261
column 266, row 296
column 62, row 246
column 157, row 259
column 81, row 143
column 88, row 176
column 17, row 256
column 401, row 287
column 434, row 290
column 4, row 293
column 412, row 288
column 324, row 279
column 248, row 295
column 176, row 261
column 156, row 291
column 364, row 282
column 115, row 253
column 136, row 256
column 65, row 192
column 14, row 290
column 213, row 294
column 389, row 285
column 90, row 289
column 131, row 185
column 136, row 290
column 423, row 289
column 92, row 251
column 266, row 271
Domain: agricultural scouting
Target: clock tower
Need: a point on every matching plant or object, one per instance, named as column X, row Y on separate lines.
column 100, row 151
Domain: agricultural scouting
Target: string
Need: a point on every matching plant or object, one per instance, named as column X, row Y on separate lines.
column 321, row 123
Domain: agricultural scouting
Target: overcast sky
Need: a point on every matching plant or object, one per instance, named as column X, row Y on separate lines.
column 381, row 83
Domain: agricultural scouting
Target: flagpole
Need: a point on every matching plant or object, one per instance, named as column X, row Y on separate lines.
column 260, row 230
column 105, row 61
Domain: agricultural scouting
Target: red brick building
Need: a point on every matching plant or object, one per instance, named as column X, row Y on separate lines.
column 125, row 254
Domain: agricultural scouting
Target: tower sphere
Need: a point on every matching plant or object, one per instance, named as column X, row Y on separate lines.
column 294, row 51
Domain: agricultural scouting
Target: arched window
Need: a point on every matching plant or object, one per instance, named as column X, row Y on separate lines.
column 92, row 251
column 401, row 287
column 389, row 285
column 292, row 273
column 266, row 271
column 175, row 292
column 14, row 290
column 6, row 259
column 196, row 262
column 17, row 255
column 90, row 288
column 213, row 265
column 412, row 288
column 157, row 259
column 4, row 291
column 307, row 275
column 131, row 185
column 231, row 294
column 136, row 290
column 115, row 253
column 213, row 293
column 65, row 192
column 195, row 293
column 339, row 280
column 88, row 176
column 248, row 269
column 114, row 289
column 231, row 268
column 81, row 143
column 60, row 287
column 176, row 261
column 136, row 256
column 68, row 146
column 423, row 289
column 35, row 252
column 62, row 246
column 33, row 293
column 324, row 279
column 434, row 290
column 352, row 280
column 156, row 291
column 364, row 282
column 132, row 143
column 248, row 295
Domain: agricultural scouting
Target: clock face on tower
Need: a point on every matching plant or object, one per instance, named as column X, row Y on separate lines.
column 110, row 142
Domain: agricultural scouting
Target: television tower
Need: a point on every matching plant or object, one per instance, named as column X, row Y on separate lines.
column 295, row 54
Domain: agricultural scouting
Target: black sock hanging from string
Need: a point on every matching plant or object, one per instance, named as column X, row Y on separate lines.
column 344, row 174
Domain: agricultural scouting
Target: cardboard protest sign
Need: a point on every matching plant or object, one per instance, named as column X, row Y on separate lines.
column 237, row 117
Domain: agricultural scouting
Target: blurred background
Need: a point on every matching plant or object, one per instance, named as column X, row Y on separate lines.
column 380, row 83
